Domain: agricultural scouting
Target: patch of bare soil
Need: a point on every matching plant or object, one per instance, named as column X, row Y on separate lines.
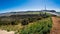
column 55, row 25
column 5, row 32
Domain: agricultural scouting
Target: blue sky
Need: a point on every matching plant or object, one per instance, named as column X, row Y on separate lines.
column 20, row 5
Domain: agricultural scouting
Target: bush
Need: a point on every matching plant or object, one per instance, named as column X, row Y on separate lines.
column 14, row 23
column 31, row 19
column 4, row 23
column 40, row 27
column 8, row 23
column 24, row 22
column 45, row 15
column 38, row 18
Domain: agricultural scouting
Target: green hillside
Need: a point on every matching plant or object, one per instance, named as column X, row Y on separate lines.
column 27, row 24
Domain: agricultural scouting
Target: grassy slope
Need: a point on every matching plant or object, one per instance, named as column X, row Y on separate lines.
column 35, row 26
column 39, row 27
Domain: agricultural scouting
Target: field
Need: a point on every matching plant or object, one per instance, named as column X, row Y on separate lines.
column 32, row 12
column 31, row 24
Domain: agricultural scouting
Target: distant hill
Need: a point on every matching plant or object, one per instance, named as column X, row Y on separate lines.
column 25, row 12
column 58, row 12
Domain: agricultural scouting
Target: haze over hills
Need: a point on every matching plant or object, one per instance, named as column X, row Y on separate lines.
column 25, row 12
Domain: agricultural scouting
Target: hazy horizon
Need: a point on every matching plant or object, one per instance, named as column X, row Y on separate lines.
column 26, row 5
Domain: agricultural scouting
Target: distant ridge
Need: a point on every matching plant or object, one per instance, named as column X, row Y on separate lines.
column 24, row 12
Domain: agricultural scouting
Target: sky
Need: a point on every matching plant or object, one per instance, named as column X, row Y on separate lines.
column 25, row 5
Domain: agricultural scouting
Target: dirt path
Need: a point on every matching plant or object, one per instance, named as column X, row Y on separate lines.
column 55, row 26
column 5, row 32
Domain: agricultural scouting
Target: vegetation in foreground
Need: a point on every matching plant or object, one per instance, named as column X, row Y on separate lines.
column 36, row 24
column 39, row 27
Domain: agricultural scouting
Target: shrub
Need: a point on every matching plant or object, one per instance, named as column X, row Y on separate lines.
column 31, row 19
column 14, row 23
column 38, row 18
column 24, row 22
column 4, row 23
column 40, row 27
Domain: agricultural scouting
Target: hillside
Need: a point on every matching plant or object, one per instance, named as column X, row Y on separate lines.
column 27, row 23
